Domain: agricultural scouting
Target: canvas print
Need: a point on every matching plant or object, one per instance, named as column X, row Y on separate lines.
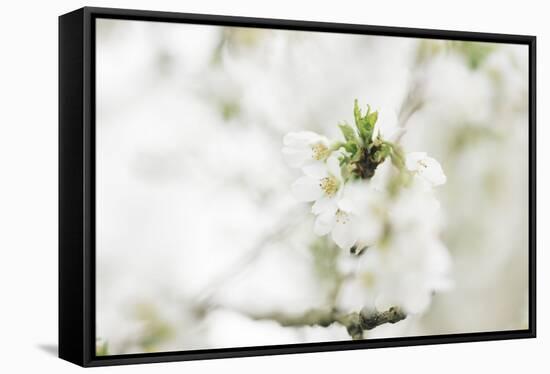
column 260, row 187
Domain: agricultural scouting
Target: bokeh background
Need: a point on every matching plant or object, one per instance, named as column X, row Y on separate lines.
column 196, row 226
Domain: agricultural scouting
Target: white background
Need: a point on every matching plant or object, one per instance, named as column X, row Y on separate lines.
column 28, row 184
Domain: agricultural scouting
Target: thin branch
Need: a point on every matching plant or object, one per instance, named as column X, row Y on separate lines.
column 412, row 103
column 415, row 98
column 355, row 323
column 285, row 225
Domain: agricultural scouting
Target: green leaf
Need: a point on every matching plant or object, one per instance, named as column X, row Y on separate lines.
column 364, row 132
column 372, row 118
column 351, row 147
column 348, row 132
column 357, row 113
column 364, row 124
column 384, row 151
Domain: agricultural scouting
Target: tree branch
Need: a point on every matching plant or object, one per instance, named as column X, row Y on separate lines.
column 215, row 285
column 355, row 323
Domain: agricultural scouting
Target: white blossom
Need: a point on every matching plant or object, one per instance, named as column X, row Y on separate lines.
column 339, row 220
column 305, row 148
column 405, row 273
column 393, row 222
column 321, row 182
column 408, row 267
column 408, row 272
column 352, row 219
column 427, row 169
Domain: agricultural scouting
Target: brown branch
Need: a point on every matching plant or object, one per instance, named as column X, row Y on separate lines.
column 355, row 323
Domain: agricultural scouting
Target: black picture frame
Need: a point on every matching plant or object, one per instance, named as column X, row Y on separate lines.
column 77, row 185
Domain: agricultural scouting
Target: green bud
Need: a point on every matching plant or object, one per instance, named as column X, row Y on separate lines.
column 348, row 132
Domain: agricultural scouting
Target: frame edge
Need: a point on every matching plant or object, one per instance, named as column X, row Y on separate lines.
column 71, row 187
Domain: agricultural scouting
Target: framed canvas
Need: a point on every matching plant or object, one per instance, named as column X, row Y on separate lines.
column 236, row 186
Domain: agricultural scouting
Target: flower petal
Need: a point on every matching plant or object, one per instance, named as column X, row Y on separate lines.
column 315, row 170
column 324, row 223
column 426, row 167
column 433, row 172
column 306, row 189
column 412, row 158
column 345, row 204
column 324, row 204
column 343, row 234
column 296, row 158
column 333, row 165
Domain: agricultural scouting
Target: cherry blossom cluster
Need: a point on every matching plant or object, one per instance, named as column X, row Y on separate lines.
column 377, row 203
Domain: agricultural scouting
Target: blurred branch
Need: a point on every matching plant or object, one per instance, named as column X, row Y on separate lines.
column 355, row 323
column 412, row 103
column 414, row 100
column 281, row 230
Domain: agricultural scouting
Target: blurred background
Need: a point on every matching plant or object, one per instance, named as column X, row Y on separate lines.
column 196, row 228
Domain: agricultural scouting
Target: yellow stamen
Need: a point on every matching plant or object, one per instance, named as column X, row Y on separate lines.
column 320, row 151
column 329, row 185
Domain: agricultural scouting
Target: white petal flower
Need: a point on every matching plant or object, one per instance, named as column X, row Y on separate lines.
column 323, row 204
column 404, row 273
column 365, row 200
column 350, row 218
column 340, row 221
column 426, row 168
column 344, row 232
column 307, row 188
column 321, row 183
column 324, row 223
column 408, row 266
column 357, row 292
column 304, row 148
column 417, row 267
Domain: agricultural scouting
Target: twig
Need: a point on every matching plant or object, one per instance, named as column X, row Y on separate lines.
column 355, row 323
